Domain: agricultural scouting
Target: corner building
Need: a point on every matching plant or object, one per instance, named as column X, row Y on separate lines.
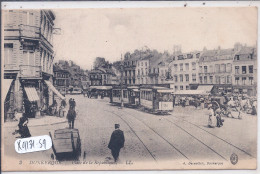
column 28, row 59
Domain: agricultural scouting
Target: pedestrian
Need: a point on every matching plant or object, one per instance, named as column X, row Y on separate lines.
column 71, row 115
column 116, row 142
column 219, row 119
column 22, row 127
column 70, row 102
column 210, row 114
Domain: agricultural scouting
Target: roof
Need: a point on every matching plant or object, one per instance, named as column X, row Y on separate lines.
column 246, row 50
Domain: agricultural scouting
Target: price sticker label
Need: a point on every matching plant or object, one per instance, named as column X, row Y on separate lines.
column 33, row 144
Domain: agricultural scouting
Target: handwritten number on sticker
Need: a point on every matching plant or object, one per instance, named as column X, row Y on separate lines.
column 33, row 144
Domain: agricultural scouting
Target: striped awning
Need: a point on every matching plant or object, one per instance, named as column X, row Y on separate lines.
column 31, row 94
column 48, row 83
column 6, row 86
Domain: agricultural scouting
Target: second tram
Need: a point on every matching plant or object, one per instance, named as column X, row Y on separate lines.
column 157, row 99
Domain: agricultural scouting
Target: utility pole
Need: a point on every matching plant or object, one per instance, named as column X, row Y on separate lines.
column 121, row 84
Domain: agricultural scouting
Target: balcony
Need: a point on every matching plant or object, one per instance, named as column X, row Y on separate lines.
column 28, row 31
column 29, row 71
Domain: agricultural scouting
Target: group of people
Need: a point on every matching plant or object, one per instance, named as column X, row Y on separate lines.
column 217, row 114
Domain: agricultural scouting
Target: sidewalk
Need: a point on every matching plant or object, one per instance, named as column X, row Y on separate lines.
column 42, row 121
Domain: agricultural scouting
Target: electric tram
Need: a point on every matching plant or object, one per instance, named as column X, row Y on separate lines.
column 157, row 99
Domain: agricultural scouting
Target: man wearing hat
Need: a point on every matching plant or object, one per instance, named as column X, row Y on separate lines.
column 116, row 142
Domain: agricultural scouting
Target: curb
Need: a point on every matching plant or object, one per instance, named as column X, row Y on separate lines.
column 59, row 122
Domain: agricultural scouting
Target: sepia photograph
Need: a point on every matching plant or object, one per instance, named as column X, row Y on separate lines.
column 129, row 88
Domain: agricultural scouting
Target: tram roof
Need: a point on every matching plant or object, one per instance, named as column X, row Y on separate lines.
column 101, row 87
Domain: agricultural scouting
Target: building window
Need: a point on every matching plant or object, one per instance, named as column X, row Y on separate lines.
column 193, row 66
column 175, row 67
column 205, row 79
column 181, row 87
column 236, row 69
column 176, row 88
column 243, row 80
column 8, row 53
column 176, row 78
column 139, row 72
column 250, row 68
column 129, row 81
column 205, row 69
column 197, row 55
column 229, row 81
column 211, row 79
column 237, row 57
column 187, row 87
column 200, row 70
column 223, row 67
column 243, row 69
column 133, row 81
column 181, row 67
column 201, row 79
column 237, row 80
column 223, row 80
column 187, row 67
column 217, row 68
column 251, row 80
column 145, row 63
column 217, row 79
column 142, row 63
column 181, row 78
column 125, row 73
column 187, row 77
column 229, row 67
column 142, row 71
column 193, row 77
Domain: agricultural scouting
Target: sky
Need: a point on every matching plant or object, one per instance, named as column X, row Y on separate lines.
column 90, row 33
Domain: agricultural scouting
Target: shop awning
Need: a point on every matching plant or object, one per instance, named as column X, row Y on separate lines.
column 190, row 92
column 31, row 94
column 54, row 89
column 206, row 88
column 165, row 90
column 6, row 86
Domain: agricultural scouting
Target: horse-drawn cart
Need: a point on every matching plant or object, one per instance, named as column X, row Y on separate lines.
column 66, row 143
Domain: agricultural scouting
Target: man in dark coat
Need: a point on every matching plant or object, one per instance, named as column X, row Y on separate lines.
column 116, row 142
column 71, row 117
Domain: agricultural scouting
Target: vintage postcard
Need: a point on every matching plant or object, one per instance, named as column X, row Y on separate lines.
column 129, row 88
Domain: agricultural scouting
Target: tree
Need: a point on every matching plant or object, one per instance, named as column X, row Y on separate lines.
column 99, row 61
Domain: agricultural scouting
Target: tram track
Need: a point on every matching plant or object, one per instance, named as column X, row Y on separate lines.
column 185, row 132
column 154, row 132
column 133, row 133
column 215, row 136
column 208, row 133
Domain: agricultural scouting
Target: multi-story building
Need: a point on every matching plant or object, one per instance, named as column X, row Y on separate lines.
column 28, row 59
column 129, row 75
column 184, row 70
column 61, row 79
column 143, row 66
column 245, row 70
column 215, row 69
column 102, row 76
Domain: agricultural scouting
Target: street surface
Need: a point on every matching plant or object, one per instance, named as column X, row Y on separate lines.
column 182, row 135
